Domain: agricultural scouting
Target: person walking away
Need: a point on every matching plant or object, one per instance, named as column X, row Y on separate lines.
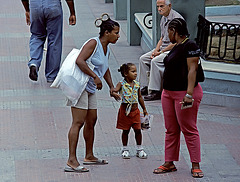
column 152, row 61
column 45, row 18
column 181, row 98
column 129, row 114
column 84, row 113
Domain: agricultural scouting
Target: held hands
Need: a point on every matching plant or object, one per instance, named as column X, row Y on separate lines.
column 116, row 96
column 114, row 93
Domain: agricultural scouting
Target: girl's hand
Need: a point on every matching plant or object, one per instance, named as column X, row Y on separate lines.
column 98, row 83
column 145, row 112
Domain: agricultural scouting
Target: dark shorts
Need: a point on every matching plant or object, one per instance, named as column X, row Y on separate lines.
column 126, row 122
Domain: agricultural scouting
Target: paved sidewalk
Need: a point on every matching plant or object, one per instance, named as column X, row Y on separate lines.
column 34, row 120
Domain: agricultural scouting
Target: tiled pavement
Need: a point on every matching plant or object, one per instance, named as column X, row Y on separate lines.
column 34, row 120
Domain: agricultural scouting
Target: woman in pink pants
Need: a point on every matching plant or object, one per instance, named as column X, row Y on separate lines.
column 181, row 97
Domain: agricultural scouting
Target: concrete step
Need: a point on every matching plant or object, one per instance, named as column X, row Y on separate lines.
column 222, row 84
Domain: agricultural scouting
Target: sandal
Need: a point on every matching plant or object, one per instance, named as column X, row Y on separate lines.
column 79, row 169
column 197, row 173
column 163, row 169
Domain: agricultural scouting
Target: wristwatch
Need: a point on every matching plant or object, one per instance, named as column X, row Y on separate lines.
column 188, row 96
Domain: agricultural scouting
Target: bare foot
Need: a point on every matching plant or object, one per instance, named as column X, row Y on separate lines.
column 73, row 164
column 92, row 158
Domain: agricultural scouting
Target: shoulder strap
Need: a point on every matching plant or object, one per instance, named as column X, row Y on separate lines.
column 95, row 38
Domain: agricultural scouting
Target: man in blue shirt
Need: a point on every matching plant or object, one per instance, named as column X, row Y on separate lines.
column 45, row 18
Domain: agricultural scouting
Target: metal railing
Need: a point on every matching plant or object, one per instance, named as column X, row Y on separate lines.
column 219, row 41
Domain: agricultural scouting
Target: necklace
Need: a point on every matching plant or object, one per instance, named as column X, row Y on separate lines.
column 184, row 40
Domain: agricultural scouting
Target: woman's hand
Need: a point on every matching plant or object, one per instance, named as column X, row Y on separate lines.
column 113, row 90
column 114, row 93
column 116, row 96
column 186, row 102
column 98, row 82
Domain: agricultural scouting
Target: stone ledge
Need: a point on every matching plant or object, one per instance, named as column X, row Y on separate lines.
column 220, row 99
column 221, row 67
column 222, row 10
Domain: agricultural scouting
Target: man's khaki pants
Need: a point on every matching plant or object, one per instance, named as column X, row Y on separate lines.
column 156, row 68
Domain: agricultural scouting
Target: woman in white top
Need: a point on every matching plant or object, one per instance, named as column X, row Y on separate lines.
column 84, row 113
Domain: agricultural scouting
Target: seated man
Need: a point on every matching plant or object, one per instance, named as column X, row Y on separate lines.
column 153, row 61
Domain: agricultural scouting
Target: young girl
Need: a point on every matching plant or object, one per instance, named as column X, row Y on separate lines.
column 129, row 114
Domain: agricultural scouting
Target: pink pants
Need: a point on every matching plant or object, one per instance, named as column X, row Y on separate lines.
column 177, row 120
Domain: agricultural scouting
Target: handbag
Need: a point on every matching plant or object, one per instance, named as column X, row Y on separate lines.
column 70, row 79
column 200, row 74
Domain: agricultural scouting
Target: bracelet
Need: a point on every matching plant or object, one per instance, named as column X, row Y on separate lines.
column 188, row 96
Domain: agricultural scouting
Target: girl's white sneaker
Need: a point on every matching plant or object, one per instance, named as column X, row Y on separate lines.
column 141, row 154
column 125, row 154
